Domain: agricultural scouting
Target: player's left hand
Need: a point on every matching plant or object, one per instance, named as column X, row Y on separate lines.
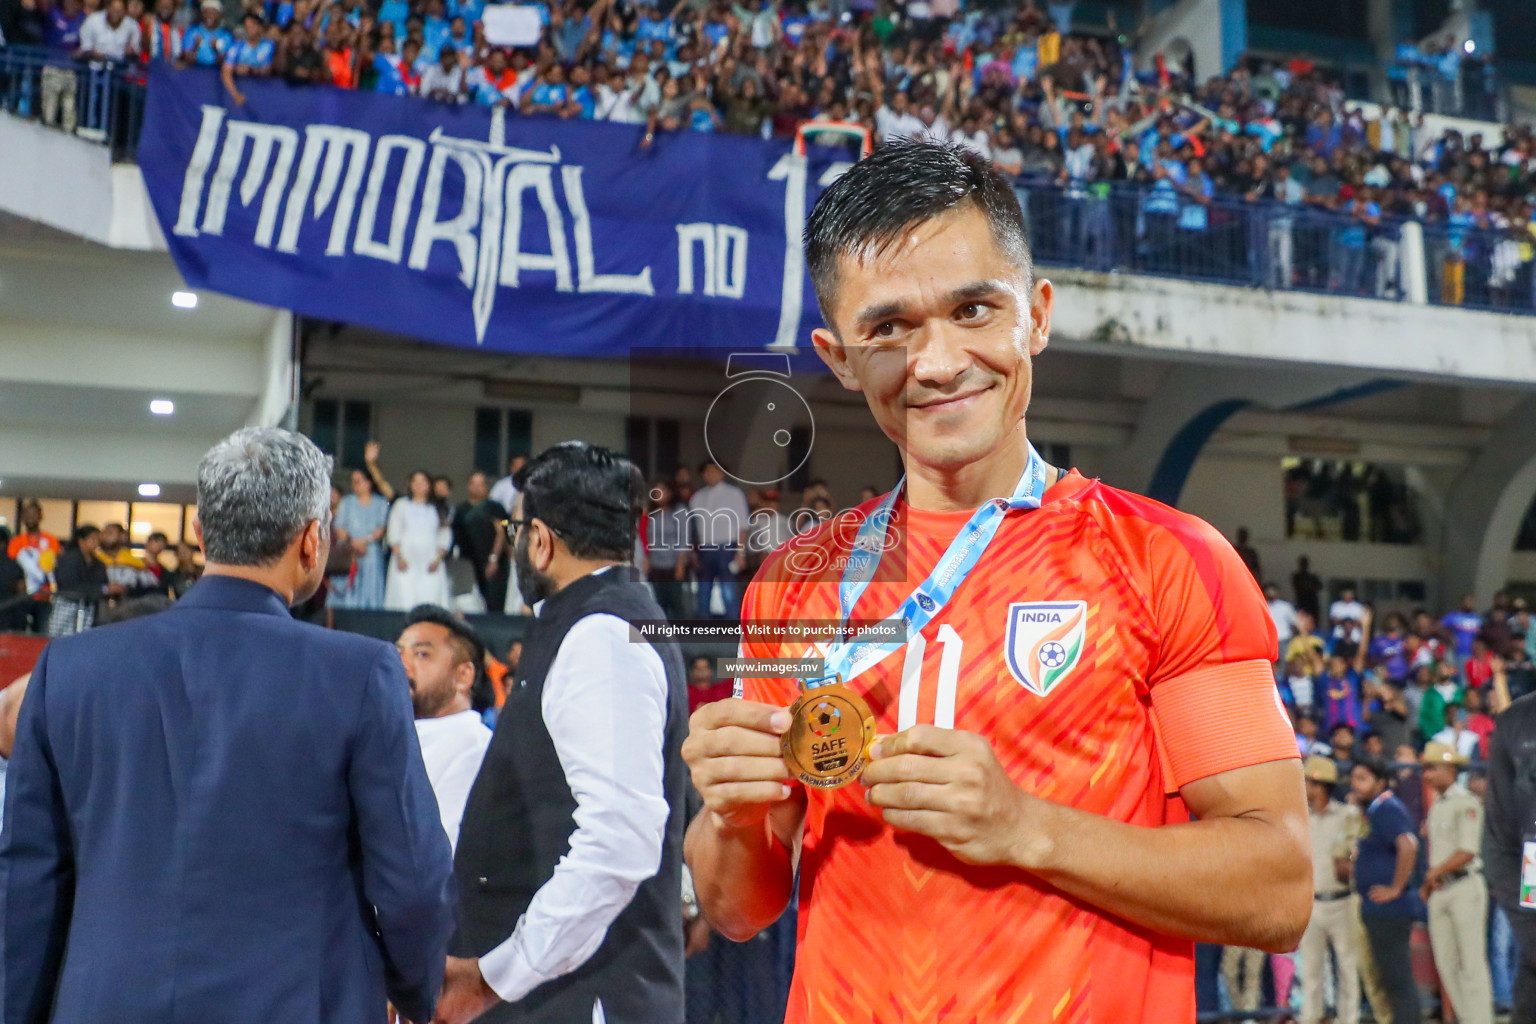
column 948, row 785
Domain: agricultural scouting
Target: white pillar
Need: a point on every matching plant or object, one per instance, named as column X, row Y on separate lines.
column 1410, row 264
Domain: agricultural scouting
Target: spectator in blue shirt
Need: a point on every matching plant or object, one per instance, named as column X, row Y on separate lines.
column 59, row 84
column 395, row 12
column 459, row 37
column 583, row 103
column 251, row 56
column 1198, row 190
column 549, row 96
column 1384, row 863
column 435, row 31
column 1324, row 134
column 1350, row 245
column 1339, row 693
column 494, row 84
column 1464, row 625
column 703, row 117
column 567, row 32
column 398, row 74
column 652, row 27
column 469, row 10
column 205, row 43
column 1389, row 649
column 63, row 25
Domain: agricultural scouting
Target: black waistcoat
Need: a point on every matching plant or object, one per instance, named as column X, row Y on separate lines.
column 519, row 820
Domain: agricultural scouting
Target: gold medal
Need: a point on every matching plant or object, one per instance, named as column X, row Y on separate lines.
column 827, row 744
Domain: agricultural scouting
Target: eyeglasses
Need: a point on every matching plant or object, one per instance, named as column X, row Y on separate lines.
column 511, row 526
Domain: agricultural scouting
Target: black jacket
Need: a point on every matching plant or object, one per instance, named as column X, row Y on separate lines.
column 1511, row 817
column 80, row 575
column 22, row 27
column 518, row 824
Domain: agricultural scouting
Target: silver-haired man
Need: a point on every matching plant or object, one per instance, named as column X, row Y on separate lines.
column 221, row 813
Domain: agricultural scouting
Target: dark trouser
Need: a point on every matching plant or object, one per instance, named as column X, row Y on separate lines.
column 1523, row 924
column 493, row 587
column 715, row 565
column 1394, row 964
column 1207, row 973
column 669, row 593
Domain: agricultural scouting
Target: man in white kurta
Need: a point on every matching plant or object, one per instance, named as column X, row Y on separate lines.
column 442, row 659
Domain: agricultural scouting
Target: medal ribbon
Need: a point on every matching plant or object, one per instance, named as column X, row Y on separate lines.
column 852, row 657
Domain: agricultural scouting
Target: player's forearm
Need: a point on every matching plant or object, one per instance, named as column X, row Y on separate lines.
column 742, row 877
column 1243, row 881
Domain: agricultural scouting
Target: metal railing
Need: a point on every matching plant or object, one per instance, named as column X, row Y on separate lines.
column 102, row 101
column 1480, row 268
column 1279, row 247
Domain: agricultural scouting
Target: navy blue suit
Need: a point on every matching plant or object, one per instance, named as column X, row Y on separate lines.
column 218, row 815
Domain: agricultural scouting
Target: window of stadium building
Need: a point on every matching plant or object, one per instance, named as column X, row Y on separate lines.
column 1525, row 539
column 61, row 516
column 1328, row 499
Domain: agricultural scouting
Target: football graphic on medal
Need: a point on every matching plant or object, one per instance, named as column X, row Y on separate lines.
column 830, row 731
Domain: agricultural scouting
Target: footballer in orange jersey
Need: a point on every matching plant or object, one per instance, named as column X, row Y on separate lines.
column 1083, row 766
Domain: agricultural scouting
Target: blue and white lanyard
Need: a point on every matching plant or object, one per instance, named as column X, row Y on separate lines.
column 850, row 658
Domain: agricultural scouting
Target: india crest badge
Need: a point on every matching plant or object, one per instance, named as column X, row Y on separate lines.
column 1044, row 642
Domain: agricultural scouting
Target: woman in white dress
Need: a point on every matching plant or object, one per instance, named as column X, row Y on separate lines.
column 418, row 539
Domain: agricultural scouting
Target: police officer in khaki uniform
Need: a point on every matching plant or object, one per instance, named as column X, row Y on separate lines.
column 1455, row 890
column 1334, row 918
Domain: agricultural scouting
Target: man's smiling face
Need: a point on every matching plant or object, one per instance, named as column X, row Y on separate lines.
column 939, row 329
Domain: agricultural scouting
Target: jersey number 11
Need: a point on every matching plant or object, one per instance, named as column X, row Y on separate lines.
column 911, row 679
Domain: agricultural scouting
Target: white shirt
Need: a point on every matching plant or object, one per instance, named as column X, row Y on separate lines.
column 1465, row 742
column 96, row 36
column 892, row 125
column 1284, row 615
column 504, row 493
column 1302, row 690
column 937, row 132
column 977, row 142
column 1351, row 610
column 607, row 97
column 435, row 80
column 452, row 747
column 605, row 706
column 635, row 100
column 719, row 514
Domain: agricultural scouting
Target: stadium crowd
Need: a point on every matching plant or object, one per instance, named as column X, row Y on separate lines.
column 1403, row 693
column 1052, row 109
column 1004, row 80
column 399, row 547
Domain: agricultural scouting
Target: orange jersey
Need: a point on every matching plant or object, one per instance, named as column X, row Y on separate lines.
column 1111, row 649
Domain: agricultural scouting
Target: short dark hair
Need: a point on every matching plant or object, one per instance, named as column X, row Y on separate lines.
column 590, row 496
column 83, row 533
column 157, row 535
column 901, row 184
column 1376, row 766
column 468, row 642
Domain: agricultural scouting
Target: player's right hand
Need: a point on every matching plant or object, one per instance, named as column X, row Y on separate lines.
column 732, row 750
